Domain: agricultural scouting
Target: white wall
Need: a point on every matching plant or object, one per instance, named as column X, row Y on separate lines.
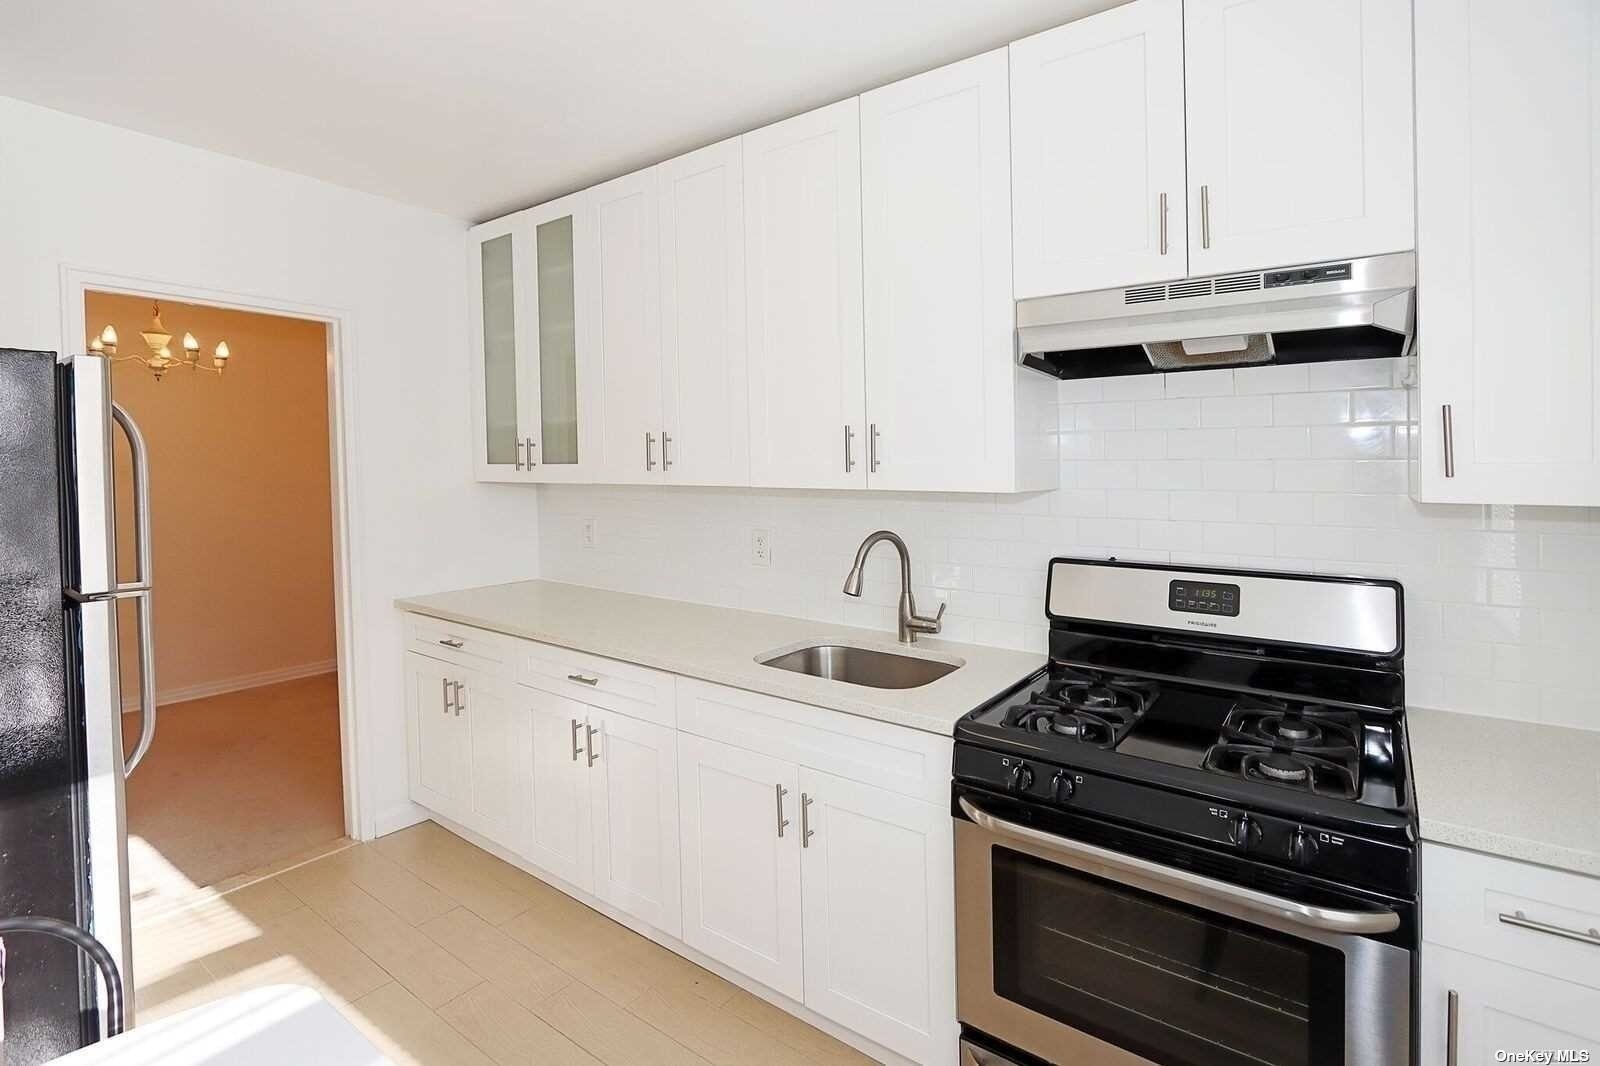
column 85, row 195
column 1277, row 467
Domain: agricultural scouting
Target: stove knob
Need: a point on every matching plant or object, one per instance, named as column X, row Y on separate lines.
column 1061, row 786
column 1303, row 848
column 1246, row 833
column 1021, row 777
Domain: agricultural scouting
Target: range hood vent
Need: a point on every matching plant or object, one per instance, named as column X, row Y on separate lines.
column 1347, row 309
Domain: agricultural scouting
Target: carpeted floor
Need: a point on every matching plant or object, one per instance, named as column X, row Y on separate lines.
column 233, row 783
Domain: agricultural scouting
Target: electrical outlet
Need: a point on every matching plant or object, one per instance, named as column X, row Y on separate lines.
column 761, row 547
column 588, row 532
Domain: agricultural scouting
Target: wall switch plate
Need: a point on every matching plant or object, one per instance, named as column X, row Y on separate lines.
column 761, row 547
column 588, row 532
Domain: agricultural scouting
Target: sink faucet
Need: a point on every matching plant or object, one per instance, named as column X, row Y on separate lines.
column 911, row 623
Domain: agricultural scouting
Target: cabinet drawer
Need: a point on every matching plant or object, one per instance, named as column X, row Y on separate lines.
column 636, row 691
column 907, row 761
column 462, row 645
column 1467, row 899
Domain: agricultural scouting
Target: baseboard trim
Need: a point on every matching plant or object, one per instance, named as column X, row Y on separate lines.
column 401, row 816
column 235, row 684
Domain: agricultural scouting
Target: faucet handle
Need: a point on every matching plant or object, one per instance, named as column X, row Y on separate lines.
column 923, row 624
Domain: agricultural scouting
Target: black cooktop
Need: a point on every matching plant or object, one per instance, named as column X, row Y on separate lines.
column 1281, row 752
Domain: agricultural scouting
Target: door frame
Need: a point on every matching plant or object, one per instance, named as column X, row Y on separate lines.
column 344, row 483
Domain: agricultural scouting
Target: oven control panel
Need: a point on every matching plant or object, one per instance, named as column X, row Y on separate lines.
column 1287, row 842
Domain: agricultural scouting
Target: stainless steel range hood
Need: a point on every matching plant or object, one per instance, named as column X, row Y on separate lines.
column 1345, row 309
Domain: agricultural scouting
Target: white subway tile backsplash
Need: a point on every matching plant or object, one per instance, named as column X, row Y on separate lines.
column 1201, row 383
column 1294, row 468
column 1310, row 408
column 1224, row 411
column 1167, row 414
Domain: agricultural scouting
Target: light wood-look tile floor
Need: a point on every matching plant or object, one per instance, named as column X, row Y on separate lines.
column 443, row 954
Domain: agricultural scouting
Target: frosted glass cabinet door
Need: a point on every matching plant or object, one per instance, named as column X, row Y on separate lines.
column 497, row 254
column 562, row 442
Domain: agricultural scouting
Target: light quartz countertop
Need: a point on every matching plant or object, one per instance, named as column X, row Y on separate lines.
column 721, row 645
column 1520, row 790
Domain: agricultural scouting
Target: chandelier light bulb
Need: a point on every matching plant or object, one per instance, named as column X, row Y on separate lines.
column 108, row 336
column 96, row 346
column 222, row 352
column 190, row 345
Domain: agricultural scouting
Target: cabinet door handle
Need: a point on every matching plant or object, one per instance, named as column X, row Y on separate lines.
column 1162, row 212
column 805, row 820
column 783, row 822
column 531, row 446
column 1449, row 442
column 1205, row 216
column 451, row 642
column 666, row 454
column 849, row 439
column 583, row 680
column 649, row 451
column 444, row 684
column 517, row 451
column 588, row 738
column 1452, row 1030
column 872, row 448
column 576, row 751
column 1522, row 921
column 461, row 700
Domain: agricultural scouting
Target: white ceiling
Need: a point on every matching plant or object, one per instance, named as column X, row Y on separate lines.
column 478, row 107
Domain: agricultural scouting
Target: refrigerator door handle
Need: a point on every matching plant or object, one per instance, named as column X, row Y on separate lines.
column 140, row 587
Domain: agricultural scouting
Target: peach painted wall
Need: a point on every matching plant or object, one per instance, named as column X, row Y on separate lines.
column 239, row 479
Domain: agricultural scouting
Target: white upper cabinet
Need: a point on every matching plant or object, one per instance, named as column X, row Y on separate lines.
column 1299, row 131
column 802, row 190
column 558, row 372
column 704, row 391
column 1097, row 151
column 626, row 317
column 944, row 395
column 498, row 254
column 1508, row 241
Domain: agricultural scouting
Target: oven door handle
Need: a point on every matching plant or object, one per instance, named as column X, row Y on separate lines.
column 1183, row 886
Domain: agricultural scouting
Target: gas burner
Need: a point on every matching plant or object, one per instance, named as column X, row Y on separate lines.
column 1090, row 708
column 1303, row 746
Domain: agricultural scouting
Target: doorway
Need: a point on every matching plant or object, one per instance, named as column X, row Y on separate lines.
column 245, row 776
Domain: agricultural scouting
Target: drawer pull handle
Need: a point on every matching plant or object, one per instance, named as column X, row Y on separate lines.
column 451, row 642
column 1522, row 921
column 582, row 680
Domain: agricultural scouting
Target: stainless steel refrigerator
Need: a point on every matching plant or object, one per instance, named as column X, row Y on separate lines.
column 63, row 839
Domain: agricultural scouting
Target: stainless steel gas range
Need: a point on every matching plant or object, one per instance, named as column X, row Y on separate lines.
column 1190, row 839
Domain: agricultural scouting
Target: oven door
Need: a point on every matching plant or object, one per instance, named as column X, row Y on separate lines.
column 1085, row 954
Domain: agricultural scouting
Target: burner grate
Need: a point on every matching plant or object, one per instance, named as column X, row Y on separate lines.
column 1091, row 708
column 1307, row 747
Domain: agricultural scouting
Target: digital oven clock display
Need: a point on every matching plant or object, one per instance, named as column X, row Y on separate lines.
column 1204, row 597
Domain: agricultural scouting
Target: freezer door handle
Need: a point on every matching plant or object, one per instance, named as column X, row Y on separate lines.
column 140, row 588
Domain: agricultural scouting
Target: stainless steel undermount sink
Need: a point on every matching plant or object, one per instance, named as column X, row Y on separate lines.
column 861, row 666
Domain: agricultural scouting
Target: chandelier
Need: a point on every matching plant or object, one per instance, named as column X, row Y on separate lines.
column 157, row 339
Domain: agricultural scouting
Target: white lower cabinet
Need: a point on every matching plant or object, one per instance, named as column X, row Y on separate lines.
column 633, row 820
column 876, row 897
column 741, row 860
column 498, row 750
column 1509, row 963
column 1499, row 1008
column 604, row 801
column 437, row 737
column 809, row 851
column 558, row 837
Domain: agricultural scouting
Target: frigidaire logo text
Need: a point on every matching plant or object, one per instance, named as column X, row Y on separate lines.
column 1197, row 622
